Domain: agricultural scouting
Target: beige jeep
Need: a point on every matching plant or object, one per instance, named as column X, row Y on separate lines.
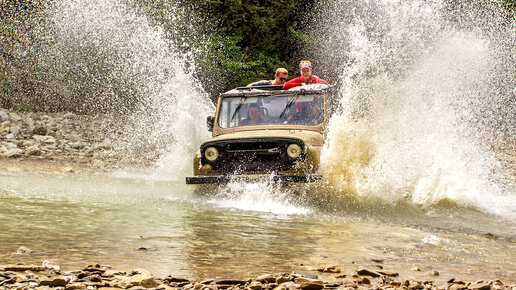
column 264, row 133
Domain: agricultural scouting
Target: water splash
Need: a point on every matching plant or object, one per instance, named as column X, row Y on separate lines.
column 259, row 197
column 431, row 89
column 138, row 55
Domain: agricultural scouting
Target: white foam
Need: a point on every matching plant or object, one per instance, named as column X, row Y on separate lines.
column 170, row 120
column 258, row 197
column 429, row 94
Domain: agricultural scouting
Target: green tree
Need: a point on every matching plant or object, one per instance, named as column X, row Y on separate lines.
column 236, row 41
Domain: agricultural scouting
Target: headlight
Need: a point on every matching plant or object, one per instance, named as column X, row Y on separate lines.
column 293, row 150
column 211, row 153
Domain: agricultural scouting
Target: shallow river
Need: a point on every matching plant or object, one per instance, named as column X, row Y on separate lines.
column 126, row 221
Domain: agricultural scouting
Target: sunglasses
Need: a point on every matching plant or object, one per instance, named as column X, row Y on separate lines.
column 283, row 79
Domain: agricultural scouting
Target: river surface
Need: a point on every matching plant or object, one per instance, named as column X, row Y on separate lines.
column 127, row 220
column 424, row 94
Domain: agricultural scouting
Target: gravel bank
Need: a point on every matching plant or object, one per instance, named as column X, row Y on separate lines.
column 68, row 138
column 49, row 276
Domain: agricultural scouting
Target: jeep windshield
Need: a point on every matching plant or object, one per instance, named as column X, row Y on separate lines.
column 236, row 111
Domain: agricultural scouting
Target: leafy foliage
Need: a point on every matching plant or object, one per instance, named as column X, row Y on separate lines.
column 237, row 41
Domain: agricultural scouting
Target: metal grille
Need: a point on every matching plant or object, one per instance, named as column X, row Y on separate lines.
column 253, row 155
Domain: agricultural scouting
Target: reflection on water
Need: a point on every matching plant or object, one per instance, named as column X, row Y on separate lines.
column 75, row 220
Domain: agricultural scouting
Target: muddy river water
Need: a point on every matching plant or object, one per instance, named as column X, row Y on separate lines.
column 127, row 220
column 424, row 95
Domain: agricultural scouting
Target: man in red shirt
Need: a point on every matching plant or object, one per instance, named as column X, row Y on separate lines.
column 306, row 78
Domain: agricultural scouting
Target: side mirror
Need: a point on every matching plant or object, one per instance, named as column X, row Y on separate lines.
column 210, row 120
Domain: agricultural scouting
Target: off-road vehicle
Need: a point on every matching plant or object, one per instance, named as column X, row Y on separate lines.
column 264, row 133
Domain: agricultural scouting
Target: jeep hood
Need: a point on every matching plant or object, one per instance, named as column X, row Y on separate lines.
column 308, row 137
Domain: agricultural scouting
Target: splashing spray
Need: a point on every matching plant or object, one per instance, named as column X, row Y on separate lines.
column 172, row 106
column 426, row 95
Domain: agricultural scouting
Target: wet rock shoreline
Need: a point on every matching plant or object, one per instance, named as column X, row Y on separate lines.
column 48, row 276
column 64, row 137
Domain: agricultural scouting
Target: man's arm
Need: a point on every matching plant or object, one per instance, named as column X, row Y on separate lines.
column 260, row 83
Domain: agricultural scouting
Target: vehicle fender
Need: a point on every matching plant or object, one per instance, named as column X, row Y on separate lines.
column 313, row 157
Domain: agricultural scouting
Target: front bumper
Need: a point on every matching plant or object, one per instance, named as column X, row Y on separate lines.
column 221, row 179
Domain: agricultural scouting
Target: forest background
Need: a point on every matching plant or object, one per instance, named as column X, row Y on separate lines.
column 227, row 43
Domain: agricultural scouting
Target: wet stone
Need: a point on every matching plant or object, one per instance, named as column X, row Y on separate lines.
column 312, row 285
column 348, row 284
column 75, row 286
column 457, row 287
column 282, row 279
column 388, row 273
column 93, row 278
column 101, row 269
column 332, row 285
column 171, row 279
column 332, row 269
column 363, row 280
column 23, row 251
column 306, row 274
column 231, row 282
column 55, row 282
column 366, row 272
column 416, row 285
column 23, row 268
column 395, row 283
column 480, row 286
column 266, row 278
column 255, row 285
column 95, row 284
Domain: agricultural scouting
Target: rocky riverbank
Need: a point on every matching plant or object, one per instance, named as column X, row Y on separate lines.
column 55, row 137
column 49, row 276
column 97, row 276
column 101, row 141
column 68, row 138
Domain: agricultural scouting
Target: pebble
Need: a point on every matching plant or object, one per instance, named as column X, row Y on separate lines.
column 103, row 277
column 366, row 272
column 23, row 251
column 387, row 273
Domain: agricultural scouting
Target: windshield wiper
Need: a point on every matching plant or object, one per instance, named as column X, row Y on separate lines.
column 242, row 100
column 289, row 104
